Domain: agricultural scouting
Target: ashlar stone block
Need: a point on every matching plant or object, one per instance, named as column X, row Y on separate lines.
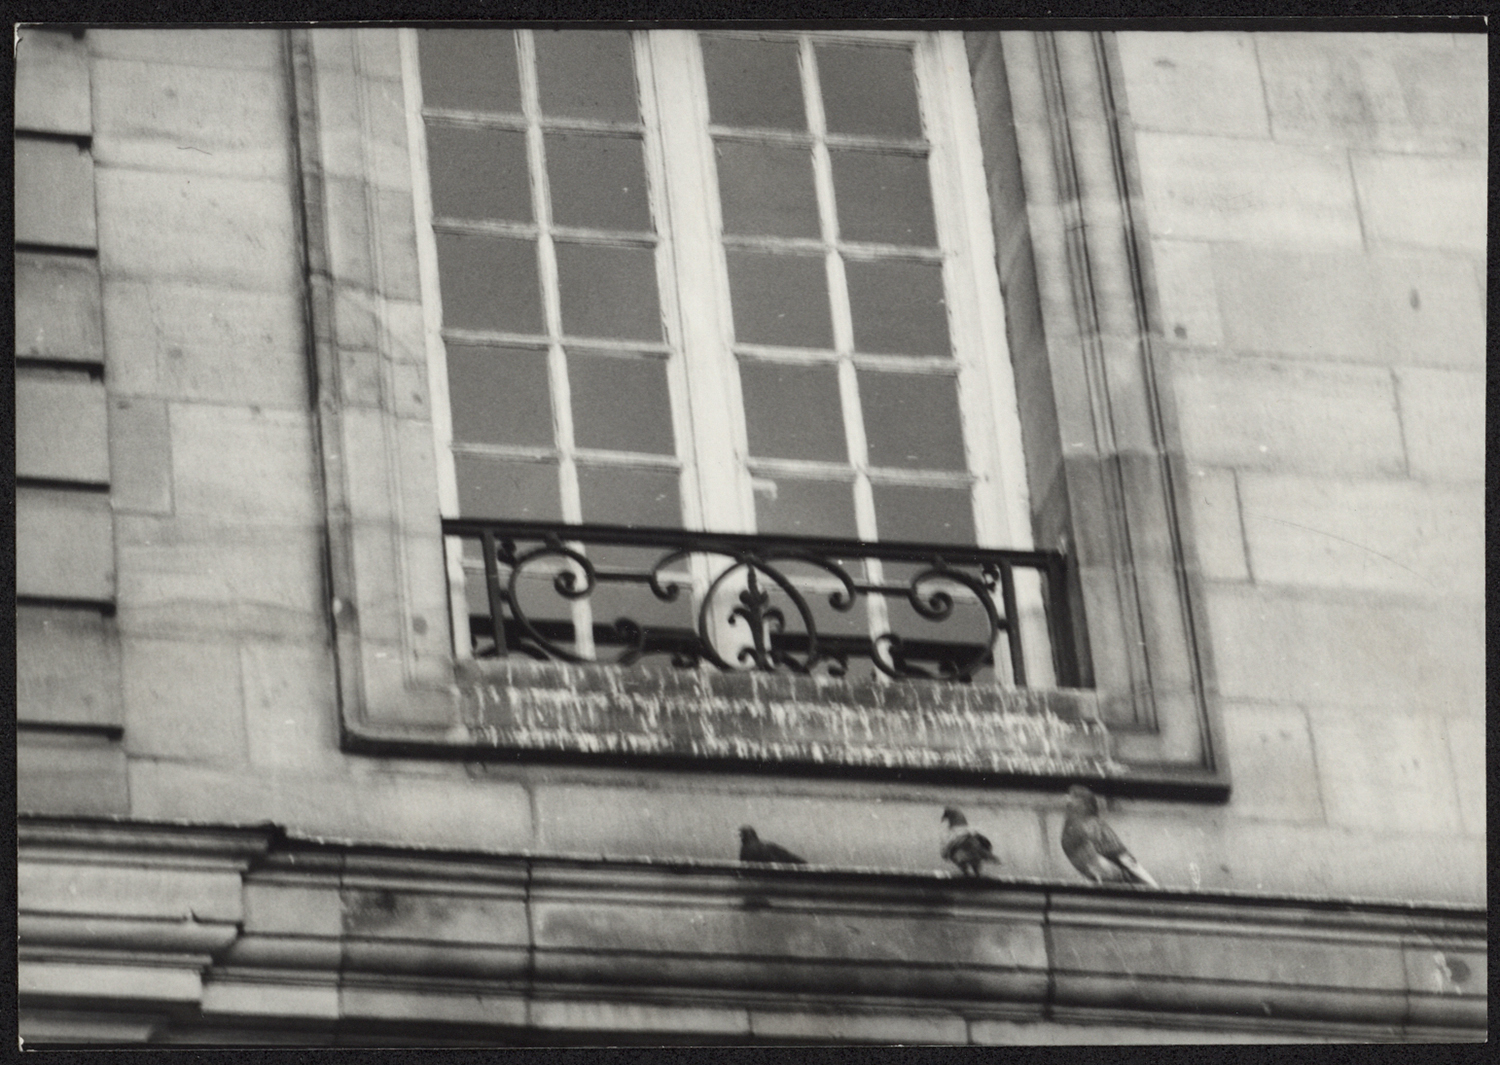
column 182, row 700
column 154, row 115
column 196, row 228
column 64, row 545
column 52, row 82
column 1236, row 189
column 1193, row 82
column 1387, row 772
column 1427, row 201
column 243, row 464
column 1443, row 422
column 1395, row 536
column 1279, row 415
column 67, row 667
column 1217, row 532
column 61, row 428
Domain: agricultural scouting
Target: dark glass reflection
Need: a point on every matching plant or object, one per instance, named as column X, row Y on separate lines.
column 469, row 70
column 898, row 308
column 501, row 488
column 478, row 173
column 797, row 507
column 615, row 495
column 499, row 395
column 883, row 198
column 779, row 299
column 868, row 90
column 608, row 291
column 766, row 190
column 586, row 74
column 922, row 514
column 620, row 403
column 753, row 84
column 489, row 283
column 912, row 420
column 598, row 182
column 793, row 412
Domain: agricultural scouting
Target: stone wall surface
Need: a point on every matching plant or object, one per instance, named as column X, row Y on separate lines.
column 1316, row 205
column 1315, row 208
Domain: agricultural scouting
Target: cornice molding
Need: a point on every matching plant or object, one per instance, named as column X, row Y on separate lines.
column 325, row 928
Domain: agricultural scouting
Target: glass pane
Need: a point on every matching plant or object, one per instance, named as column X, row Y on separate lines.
column 489, row 283
column 767, row 190
column 753, row 84
column 793, row 412
column 805, row 508
column 868, row 90
column 586, row 74
column 883, row 198
column 924, row 515
column 620, row 403
column 478, row 173
column 779, row 299
column 608, row 292
column 898, row 308
column 598, row 182
column 615, row 495
column 471, row 70
column 500, row 488
column 912, row 420
column 499, row 396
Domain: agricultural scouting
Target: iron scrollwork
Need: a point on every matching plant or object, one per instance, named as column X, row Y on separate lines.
column 755, row 600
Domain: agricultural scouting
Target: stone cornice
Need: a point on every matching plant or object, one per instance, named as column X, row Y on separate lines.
column 215, row 928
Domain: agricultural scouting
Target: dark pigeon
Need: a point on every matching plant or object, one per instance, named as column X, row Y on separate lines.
column 1092, row 846
column 964, row 848
column 755, row 849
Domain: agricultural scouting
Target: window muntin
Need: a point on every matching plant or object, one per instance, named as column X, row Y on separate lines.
column 816, row 237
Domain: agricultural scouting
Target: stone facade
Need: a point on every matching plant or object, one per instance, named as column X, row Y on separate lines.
column 1310, row 216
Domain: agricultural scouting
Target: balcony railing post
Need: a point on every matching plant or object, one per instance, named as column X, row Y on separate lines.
column 492, row 590
column 1012, row 623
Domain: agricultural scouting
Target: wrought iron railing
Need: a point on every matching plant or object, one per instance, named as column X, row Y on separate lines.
column 772, row 603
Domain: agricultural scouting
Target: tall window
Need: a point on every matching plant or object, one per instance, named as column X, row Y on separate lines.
column 736, row 281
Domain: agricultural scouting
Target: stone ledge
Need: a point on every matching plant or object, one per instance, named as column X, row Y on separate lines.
column 624, row 938
column 781, row 719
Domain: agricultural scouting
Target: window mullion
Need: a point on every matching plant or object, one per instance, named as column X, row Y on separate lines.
column 691, row 193
column 541, row 207
column 557, row 361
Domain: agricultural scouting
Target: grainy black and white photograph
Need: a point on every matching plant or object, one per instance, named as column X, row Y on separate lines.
column 740, row 534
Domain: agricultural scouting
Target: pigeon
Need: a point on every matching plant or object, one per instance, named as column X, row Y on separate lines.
column 1092, row 846
column 755, row 849
column 966, row 849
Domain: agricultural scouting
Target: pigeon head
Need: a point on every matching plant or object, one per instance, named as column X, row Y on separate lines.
column 747, row 835
column 953, row 817
column 1082, row 801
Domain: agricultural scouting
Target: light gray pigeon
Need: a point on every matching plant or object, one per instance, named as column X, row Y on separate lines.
column 1092, row 846
column 963, row 847
column 755, row 849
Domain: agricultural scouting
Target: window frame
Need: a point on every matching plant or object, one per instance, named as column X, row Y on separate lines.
column 1126, row 524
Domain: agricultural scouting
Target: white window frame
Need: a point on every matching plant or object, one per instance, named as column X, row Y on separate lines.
column 716, row 472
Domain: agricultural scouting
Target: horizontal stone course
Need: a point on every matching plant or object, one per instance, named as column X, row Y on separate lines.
column 1443, row 422
column 207, row 47
column 183, row 700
